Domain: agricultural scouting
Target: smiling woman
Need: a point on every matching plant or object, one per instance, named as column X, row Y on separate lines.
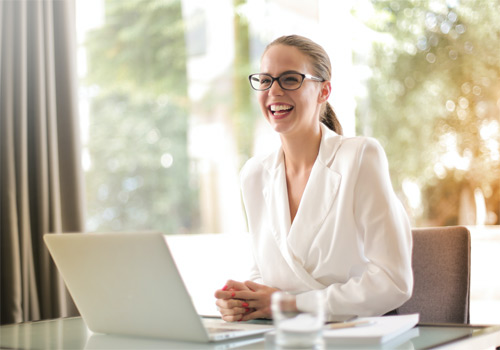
column 321, row 211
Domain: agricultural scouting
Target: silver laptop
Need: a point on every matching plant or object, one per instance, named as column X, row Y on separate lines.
column 128, row 283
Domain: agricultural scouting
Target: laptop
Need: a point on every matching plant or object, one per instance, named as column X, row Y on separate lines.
column 128, row 284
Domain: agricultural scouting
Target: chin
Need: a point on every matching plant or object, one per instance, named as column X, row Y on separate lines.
column 281, row 129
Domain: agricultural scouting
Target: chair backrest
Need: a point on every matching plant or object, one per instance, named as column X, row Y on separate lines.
column 441, row 270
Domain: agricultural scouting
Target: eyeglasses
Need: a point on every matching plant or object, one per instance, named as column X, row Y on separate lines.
column 287, row 81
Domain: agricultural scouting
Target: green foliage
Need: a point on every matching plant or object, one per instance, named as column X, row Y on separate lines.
column 140, row 49
column 139, row 175
column 243, row 116
column 435, row 93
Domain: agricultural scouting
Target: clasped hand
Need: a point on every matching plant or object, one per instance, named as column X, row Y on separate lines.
column 243, row 301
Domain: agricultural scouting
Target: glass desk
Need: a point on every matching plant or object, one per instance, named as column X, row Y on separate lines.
column 72, row 333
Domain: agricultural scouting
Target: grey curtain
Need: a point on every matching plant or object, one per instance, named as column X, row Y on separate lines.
column 41, row 181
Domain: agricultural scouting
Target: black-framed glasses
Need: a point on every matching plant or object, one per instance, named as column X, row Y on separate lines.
column 287, row 81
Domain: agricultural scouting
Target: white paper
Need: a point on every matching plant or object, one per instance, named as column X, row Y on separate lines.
column 383, row 329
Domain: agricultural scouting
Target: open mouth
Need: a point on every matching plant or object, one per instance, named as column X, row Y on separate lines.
column 280, row 109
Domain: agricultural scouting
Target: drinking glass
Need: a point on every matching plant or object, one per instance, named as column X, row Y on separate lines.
column 298, row 328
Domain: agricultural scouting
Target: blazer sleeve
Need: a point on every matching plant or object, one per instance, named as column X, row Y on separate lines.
column 249, row 171
column 384, row 236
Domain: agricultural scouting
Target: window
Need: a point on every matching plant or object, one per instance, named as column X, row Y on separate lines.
column 170, row 118
column 432, row 97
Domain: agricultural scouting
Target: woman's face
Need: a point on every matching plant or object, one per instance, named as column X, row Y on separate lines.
column 297, row 111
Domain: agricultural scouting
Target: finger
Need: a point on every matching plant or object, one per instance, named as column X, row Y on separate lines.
column 232, row 303
column 227, row 303
column 233, row 312
column 228, row 287
column 235, row 285
column 244, row 295
column 230, row 294
column 222, row 294
column 226, row 293
column 256, row 303
column 255, row 314
column 254, row 286
column 233, row 318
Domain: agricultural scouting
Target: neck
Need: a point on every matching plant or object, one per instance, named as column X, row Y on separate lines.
column 301, row 150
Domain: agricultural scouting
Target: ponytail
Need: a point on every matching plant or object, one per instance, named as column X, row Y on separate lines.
column 329, row 118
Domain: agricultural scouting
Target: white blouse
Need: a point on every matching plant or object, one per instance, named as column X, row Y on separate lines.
column 350, row 237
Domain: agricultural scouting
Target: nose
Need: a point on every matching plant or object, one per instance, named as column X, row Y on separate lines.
column 275, row 88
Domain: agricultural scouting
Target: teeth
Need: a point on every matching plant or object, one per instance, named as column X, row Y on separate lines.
column 277, row 108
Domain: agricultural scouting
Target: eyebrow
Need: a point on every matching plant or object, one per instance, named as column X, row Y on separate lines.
column 286, row 72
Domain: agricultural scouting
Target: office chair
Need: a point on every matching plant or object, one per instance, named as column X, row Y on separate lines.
column 441, row 270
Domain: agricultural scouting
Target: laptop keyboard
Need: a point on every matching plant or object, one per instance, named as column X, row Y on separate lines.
column 221, row 330
column 217, row 326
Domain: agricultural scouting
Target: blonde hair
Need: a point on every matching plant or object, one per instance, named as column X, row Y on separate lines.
column 322, row 68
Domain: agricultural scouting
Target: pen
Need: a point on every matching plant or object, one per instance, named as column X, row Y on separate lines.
column 349, row 324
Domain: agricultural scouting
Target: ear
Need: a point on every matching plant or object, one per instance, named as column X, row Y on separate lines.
column 326, row 89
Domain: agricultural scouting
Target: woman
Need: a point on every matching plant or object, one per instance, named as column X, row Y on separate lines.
column 321, row 210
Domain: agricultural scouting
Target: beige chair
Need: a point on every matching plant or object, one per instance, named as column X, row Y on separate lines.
column 441, row 269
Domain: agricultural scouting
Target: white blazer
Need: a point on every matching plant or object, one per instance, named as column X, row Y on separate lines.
column 350, row 237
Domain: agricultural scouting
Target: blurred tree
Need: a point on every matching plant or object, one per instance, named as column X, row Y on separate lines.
column 139, row 175
column 434, row 102
column 242, row 113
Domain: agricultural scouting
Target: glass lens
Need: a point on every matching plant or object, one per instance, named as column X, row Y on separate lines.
column 260, row 81
column 291, row 81
column 287, row 81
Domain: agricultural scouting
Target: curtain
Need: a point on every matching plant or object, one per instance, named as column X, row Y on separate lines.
column 41, row 181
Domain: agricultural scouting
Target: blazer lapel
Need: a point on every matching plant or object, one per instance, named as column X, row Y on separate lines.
column 276, row 197
column 317, row 199
column 295, row 239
